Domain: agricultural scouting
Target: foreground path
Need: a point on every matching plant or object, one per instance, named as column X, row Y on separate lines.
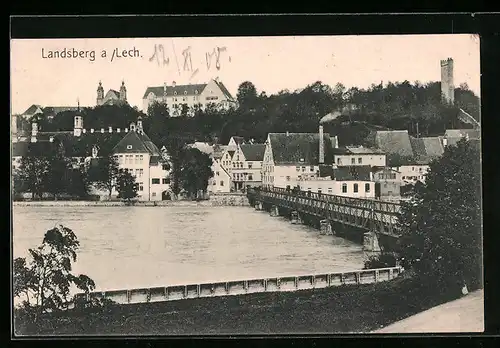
column 463, row 315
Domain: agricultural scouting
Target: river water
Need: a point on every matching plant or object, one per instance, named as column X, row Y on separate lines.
column 131, row 247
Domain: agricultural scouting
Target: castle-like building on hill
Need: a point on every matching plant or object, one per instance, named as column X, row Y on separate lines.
column 112, row 97
column 201, row 95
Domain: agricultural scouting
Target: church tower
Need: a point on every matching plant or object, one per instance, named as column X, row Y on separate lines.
column 123, row 92
column 100, row 94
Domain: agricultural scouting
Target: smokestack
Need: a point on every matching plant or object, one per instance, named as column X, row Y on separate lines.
column 321, row 146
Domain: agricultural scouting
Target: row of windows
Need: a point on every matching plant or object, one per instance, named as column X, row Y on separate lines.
column 241, row 177
column 135, row 172
column 298, row 168
column 212, row 98
column 387, row 176
column 156, row 181
column 355, row 188
column 420, row 177
column 129, row 159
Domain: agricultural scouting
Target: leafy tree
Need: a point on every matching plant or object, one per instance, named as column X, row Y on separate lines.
column 104, row 174
column 32, row 172
column 43, row 284
column 158, row 109
column 195, row 172
column 175, row 147
column 246, row 95
column 385, row 259
column 57, row 179
column 441, row 225
column 126, row 186
column 78, row 184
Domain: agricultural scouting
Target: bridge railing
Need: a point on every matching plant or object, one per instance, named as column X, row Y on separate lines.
column 240, row 287
column 372, row 204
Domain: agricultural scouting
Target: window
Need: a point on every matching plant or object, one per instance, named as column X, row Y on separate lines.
column 155, row 181
column 329, row 190
column 120, row 159
column 136, row 159
column 344, row 188
column 222, row 183
column 339, row 160
column 175, row 93
column 353, row 161
column 287, row 178
column 303, row 169
column 129, row 147
column 141, row 173
column 355, row 188
column 367, row 187
column 141, row 187
column 249, row 165
column 185, row 92
column 360, row 160
column 165, row 181
column 298, row 168
column 141, row 158
column 196, row 91
column 311, row 168
column 153, row 194
column 250, row 177
column 217, row 173
column 241, row 164
column 237, row 157
column 319, row 191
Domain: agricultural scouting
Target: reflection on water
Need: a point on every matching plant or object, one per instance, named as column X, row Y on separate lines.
column 125, row 247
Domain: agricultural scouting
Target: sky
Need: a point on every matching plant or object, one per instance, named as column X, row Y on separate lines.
column 270, row 63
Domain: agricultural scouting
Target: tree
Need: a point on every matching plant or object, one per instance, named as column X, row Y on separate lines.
column 57, row 179
column 175, row 147
column 78, row 184
column 43, row 284
column 32, row 173
column 195, row 172
column 103, row 175
column 441, row 225
column 126, row 186
column 246, row 95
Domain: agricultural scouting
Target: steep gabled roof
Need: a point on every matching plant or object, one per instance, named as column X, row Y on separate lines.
column 299, row 148
column 219, row 151
column 203, row 147
column 136, row 142
column 224, row 90
column 253, row 152
column 394, row 142
column 32, row 109
column 238, row 140
column 179, row 90
column 453, row 136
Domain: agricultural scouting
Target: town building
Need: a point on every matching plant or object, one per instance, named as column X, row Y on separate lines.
column 221, row 181
column 246, row 166
column 139, row 156
column 290, row 157
column 359, row 156
column 189, row 97
column 352, row 181
column 388, row 182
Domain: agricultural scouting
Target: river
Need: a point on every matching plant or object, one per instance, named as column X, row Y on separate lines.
column 130, row 247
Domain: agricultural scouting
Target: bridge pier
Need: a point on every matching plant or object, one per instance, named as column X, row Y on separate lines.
column 259, row 206
column 296, row 218
column 370, row 242
column 325, row 227
column 274, row 211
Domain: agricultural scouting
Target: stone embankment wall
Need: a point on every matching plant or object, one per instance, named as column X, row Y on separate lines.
column 228, row 199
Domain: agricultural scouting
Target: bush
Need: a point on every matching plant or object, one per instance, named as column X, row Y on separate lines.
column 382, row 260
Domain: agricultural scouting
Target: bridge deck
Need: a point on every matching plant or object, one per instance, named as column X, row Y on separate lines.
column 370, row 214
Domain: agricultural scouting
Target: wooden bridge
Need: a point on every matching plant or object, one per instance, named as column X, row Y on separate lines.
column 372, row 215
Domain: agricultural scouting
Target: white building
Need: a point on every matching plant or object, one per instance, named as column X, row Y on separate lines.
column 197, row 95
column 412, row 173
column 137, row 154
column 359, row 156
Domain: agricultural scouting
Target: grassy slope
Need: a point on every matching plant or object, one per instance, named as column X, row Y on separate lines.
column 350, row 308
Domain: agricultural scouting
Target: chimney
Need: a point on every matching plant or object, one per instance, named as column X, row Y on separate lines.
column 139, row 124
column 321, row 146
column 132, row 126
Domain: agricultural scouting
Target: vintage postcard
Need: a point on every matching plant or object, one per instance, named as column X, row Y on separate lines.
column 246, row 185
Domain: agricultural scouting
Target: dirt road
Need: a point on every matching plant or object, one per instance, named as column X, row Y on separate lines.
column 463, row 315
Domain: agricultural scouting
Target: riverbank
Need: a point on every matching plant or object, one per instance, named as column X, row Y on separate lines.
column 343, row 309
column 229, row 199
